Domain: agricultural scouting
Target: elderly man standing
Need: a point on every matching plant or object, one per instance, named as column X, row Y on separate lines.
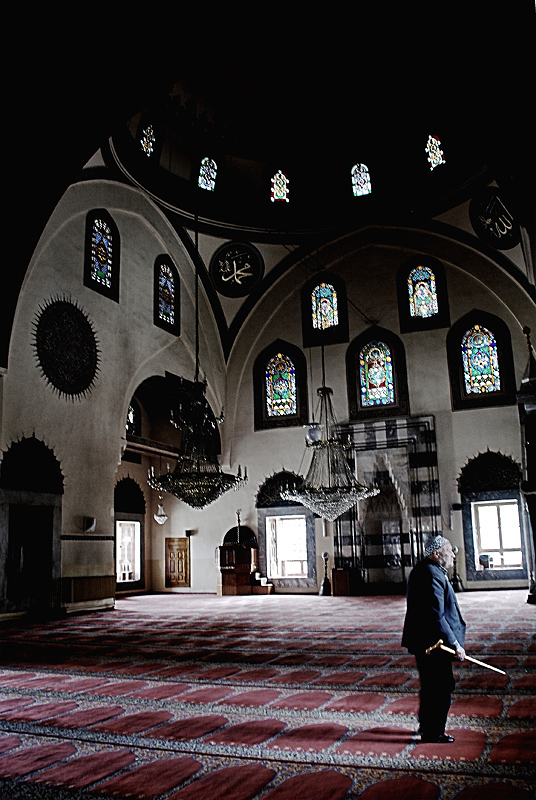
column 432, row 614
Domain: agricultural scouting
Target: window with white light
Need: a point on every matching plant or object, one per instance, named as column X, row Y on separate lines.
column 286, row 546
column 127, row 551
column 497, row 535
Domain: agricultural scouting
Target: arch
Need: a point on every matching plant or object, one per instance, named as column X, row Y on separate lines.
column 128, row 497
column 423, row 302
column 102, row 257
column 331, row 327
column 31, row 485
column 283, row 363
column 29, row 465
column 166, row 307
column 376, row 375
column 480, row 360
column 494, row 524
column 269, row 493
column 129, row 523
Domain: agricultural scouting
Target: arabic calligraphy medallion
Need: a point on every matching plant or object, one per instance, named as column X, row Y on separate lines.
column 493, row 221
column 235, row 268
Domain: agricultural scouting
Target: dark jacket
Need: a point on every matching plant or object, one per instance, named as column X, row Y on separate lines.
column 432, row 609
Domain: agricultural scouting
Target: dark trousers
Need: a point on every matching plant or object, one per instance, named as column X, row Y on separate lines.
column 437, row 684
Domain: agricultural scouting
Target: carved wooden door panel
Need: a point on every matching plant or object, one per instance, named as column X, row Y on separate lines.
column 177, row 562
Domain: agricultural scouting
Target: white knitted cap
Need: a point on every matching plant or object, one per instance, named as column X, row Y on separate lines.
column 435, row 543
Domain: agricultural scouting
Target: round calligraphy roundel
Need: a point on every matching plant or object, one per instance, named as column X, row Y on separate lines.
column 493, row 221
column 235, row 268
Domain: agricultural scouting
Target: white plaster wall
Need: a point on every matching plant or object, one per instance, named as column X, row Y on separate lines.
column 87, row 435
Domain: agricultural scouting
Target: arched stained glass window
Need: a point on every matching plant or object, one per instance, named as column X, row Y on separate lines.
column 148, row 140
column 280, row 386
column 360, row 180
column 480, row 361
column 280, row 188
column 101, row 253
column 166, row 302
column 434, row 152
column 422, row 292
column 207, row 174
column 324, row 306
column 166, row 295
column 376, row 375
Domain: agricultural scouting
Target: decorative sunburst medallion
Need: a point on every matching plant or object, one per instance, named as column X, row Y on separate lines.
column 66, row 348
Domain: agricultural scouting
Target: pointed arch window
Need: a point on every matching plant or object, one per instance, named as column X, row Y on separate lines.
column 280, row 188
column 101, row 265
column 207, row 174
column 434, row 152
column 480, row 361
column 166, row 295
column 376, row 375
column 422, row 292
column 481, row 366
column 280, row 388
column 324, row 306
column 360, row 180
column 324, row 310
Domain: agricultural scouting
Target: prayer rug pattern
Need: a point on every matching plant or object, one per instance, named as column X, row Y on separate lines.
column 182, row 697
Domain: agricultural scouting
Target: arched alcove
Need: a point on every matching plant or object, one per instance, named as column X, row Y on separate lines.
column 31, row 488
column 494, row 523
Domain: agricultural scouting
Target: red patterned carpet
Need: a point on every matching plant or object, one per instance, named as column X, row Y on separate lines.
column 281, row 697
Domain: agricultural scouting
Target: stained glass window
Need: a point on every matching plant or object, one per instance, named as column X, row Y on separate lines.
column 422, row 292
column 360, row 180
column 280, row 386
column 324, row 306
column 280, row 190
column 376, row 375
column 480, row 361
column 166, row 295
column 147, row 140
column 434, row 152
column 207, row 174
column 101, row 253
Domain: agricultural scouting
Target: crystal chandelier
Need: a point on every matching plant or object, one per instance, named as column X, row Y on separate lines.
column 330, row 487
column 198, row 478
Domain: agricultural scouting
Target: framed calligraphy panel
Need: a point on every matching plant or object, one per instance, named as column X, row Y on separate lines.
column 492, row 220
column 235, row 268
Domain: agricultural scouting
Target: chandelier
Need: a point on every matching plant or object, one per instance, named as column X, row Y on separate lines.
column 198, row 478
column 330, row 487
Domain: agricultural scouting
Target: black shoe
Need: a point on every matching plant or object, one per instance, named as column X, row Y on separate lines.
column 443, row 739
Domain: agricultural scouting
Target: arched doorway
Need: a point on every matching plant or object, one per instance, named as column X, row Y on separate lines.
column 31, row 486
column 129, row 505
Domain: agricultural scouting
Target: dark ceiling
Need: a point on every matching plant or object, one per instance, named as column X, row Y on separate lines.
column 73, row 75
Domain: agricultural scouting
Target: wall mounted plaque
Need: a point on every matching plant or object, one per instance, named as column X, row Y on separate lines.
column 66, row 348
column 492, row 220
column 235, row 268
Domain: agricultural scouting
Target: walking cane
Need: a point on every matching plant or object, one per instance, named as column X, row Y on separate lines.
column 467, row 658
